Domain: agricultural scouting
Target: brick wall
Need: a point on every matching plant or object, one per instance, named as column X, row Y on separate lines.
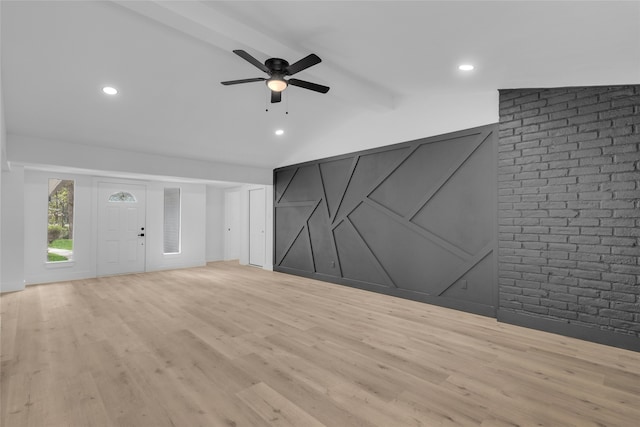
column 569, row 206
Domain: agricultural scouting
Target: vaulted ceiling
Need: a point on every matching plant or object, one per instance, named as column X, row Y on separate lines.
column 391, row 66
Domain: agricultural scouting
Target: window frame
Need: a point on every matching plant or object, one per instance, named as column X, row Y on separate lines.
column 71, row 259
column 178, row 226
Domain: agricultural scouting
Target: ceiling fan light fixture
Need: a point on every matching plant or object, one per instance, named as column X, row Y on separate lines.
column 277, row 84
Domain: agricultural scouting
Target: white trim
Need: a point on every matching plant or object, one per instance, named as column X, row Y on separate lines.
column 59, row 264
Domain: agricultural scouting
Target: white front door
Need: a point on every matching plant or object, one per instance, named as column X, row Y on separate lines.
column 121, row 228
column 257, row 211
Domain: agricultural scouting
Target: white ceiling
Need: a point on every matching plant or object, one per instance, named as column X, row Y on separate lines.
column 391, row 66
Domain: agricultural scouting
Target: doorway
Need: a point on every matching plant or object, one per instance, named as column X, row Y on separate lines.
column 121, row 228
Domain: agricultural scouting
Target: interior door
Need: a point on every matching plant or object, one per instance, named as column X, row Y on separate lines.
column 232, row 225
column 121, row 228
column 257, row 210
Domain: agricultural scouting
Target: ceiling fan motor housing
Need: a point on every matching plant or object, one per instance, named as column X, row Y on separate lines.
column 276, row 65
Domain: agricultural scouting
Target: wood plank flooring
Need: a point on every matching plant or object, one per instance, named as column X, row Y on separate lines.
column 226, row 345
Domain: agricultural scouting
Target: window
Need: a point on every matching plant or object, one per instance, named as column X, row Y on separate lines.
column 122, row 196
column 60, row 220
column 171, row 220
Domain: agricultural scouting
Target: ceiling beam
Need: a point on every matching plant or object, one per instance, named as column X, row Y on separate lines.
column 40, row 152
column 205, row 23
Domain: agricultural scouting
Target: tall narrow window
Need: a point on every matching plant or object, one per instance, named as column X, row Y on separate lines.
column 171, row 220
column 60, row 220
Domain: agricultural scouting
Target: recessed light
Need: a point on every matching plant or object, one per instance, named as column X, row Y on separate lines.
column 110, row 90
column 279, row 132
column 465, row 67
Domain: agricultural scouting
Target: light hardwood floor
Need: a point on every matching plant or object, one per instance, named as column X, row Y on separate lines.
column 226, row 345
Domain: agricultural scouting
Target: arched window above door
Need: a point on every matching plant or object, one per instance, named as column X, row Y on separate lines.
column 123, row 196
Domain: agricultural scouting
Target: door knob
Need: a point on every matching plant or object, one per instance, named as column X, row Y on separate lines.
column 141, row 235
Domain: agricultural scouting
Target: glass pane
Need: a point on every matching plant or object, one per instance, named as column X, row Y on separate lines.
column 60, row 220
column 171, row 220
column 122, row 196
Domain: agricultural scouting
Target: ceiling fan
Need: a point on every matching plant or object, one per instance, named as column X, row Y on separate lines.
column 277, row 69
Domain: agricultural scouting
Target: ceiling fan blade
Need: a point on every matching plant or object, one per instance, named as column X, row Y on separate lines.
column 303, row 64
column 236, row 82
column 308, row 85
column 276, row 97
column 244, row 55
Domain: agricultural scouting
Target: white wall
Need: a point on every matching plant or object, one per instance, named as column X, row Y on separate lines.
column 13, row 225
column 3, row 147
column 24, row 227
column 215, row 224
column 25, row 223
column 414, row 118
column 36, row 192
column 244, row 225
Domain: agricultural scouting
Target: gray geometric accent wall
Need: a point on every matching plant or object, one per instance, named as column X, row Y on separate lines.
column 415, row 220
